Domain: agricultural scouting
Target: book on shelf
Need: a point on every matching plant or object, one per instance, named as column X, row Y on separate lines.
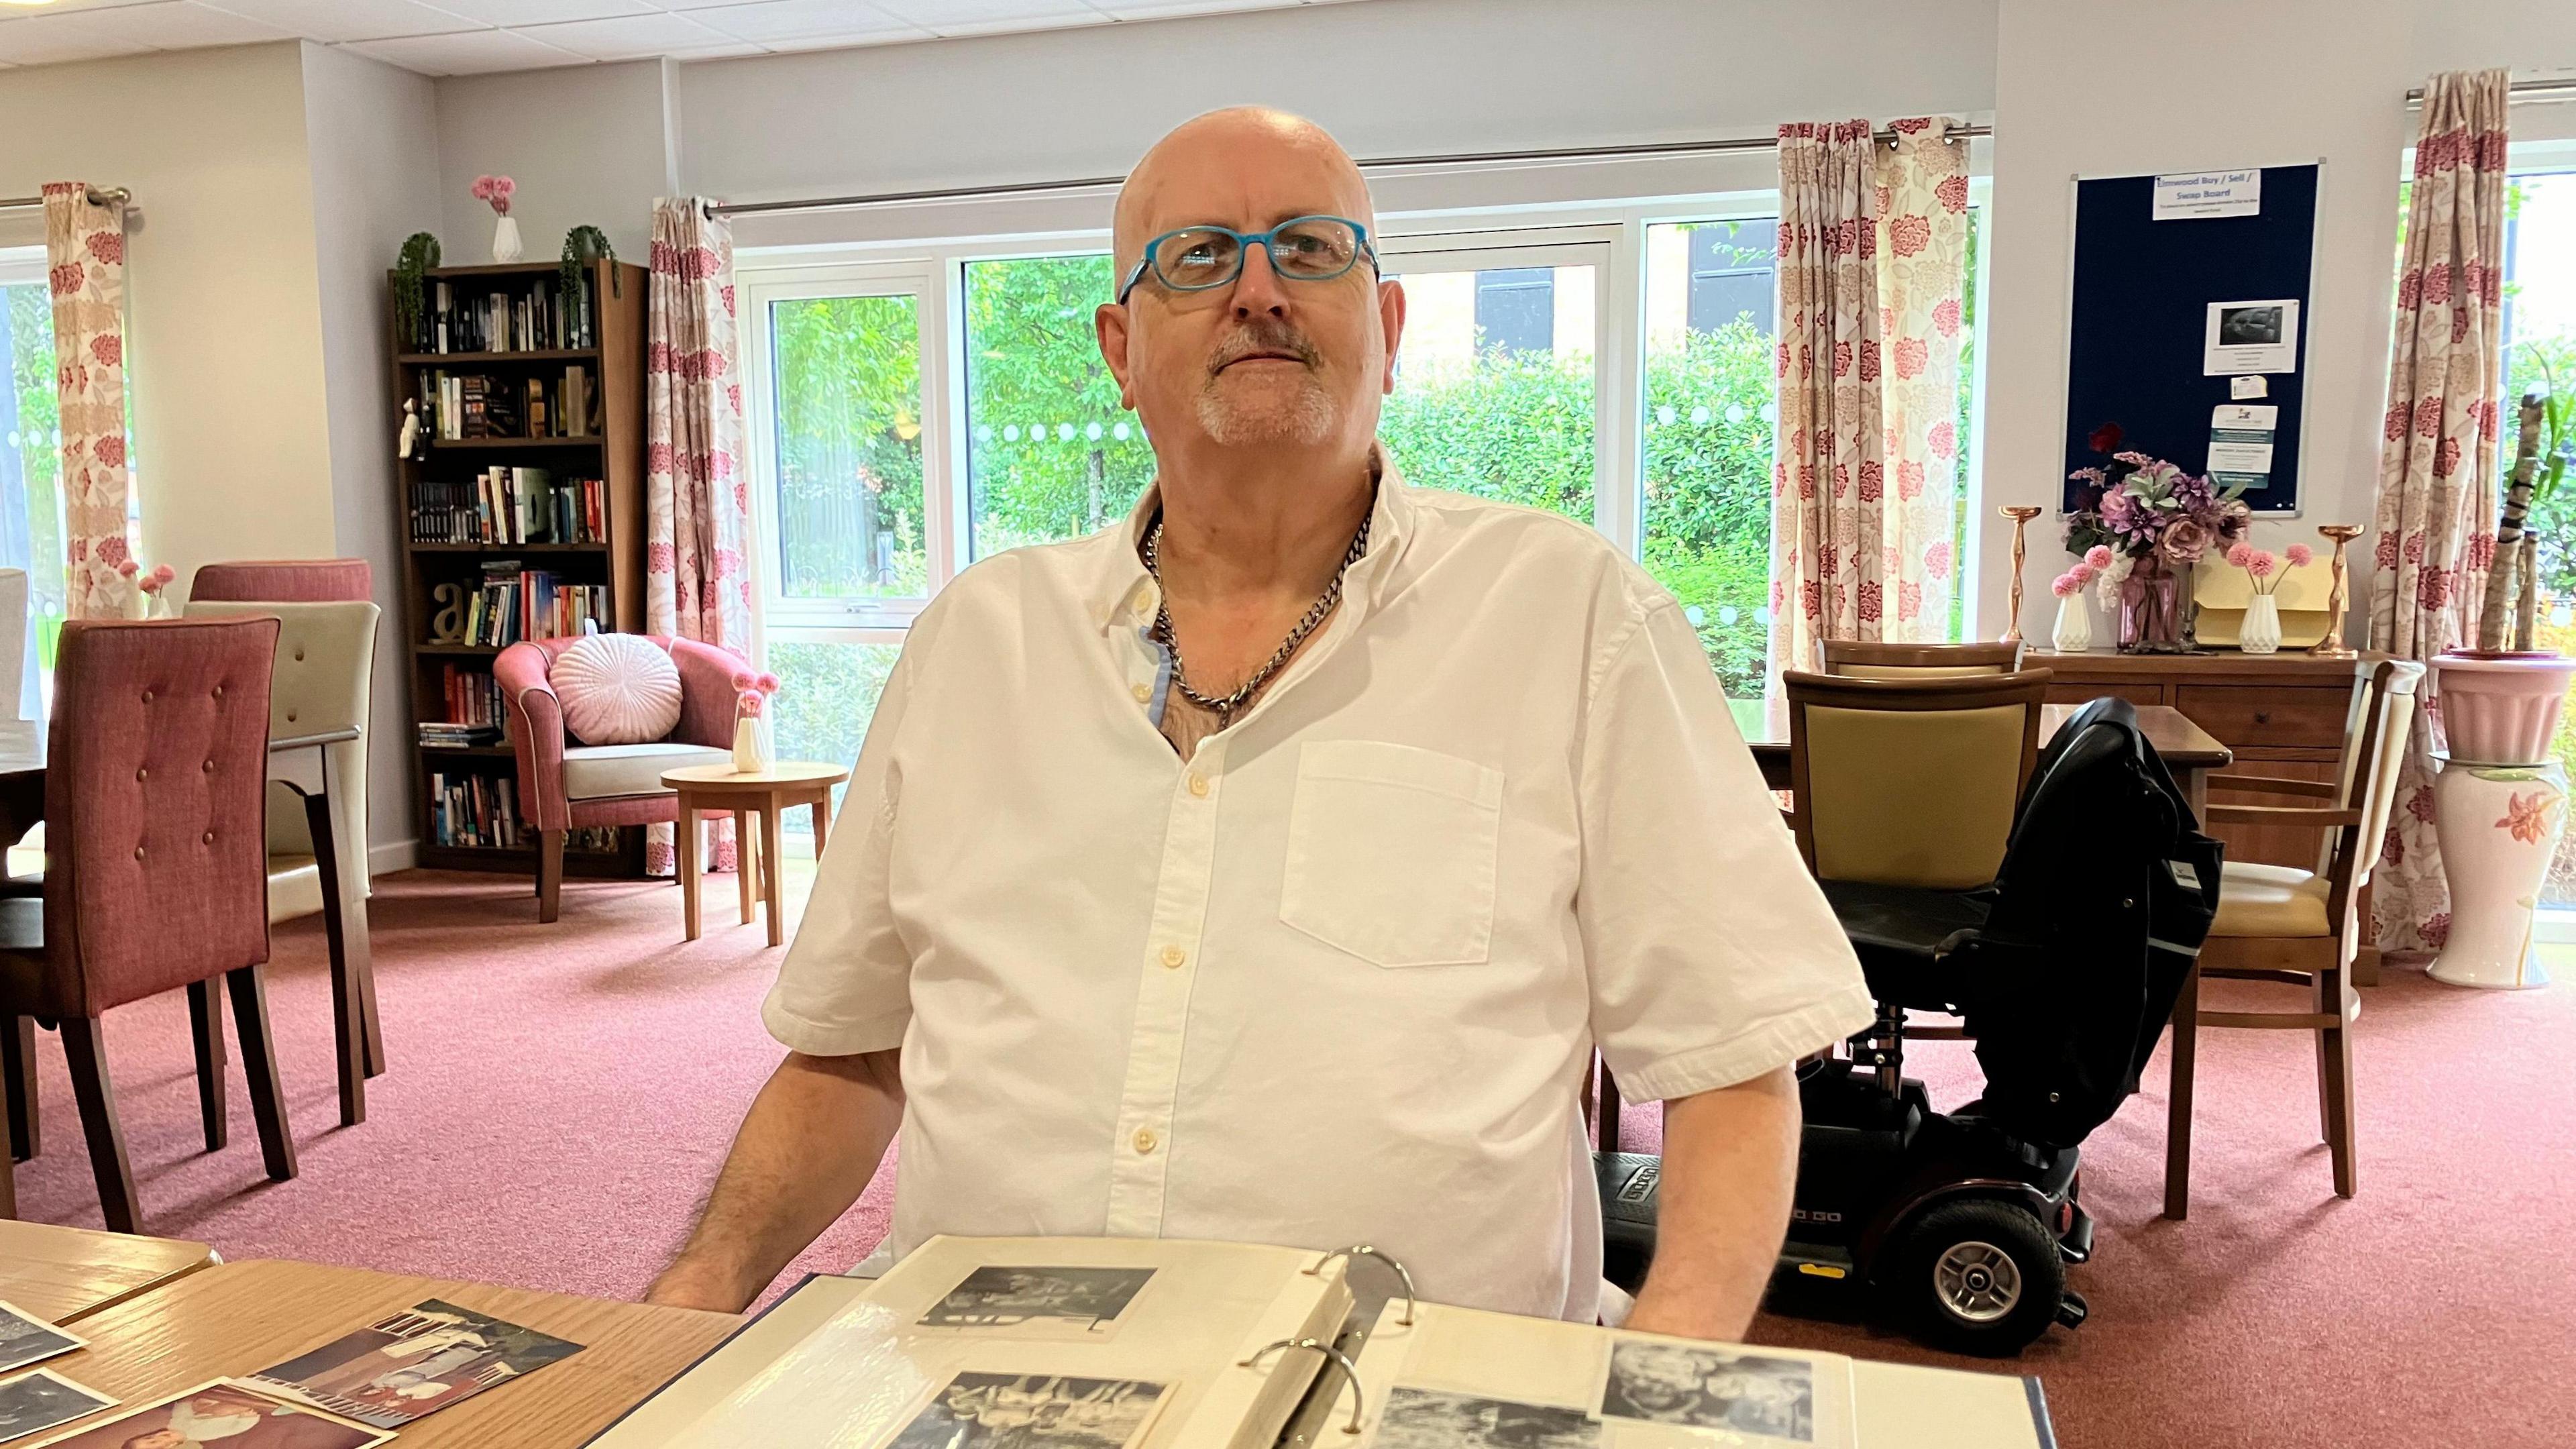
column 1018, row 1343
column 470, row 698
column 473, row 809
column 525, row 315
column 510, row 505
column 514, row 604
column 456, row 736
column 465, row 406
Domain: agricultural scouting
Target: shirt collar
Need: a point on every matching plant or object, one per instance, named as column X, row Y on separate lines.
column 1125, row 594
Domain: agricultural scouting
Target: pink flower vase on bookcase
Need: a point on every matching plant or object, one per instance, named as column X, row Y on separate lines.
column 496, row 191
column 751, row 753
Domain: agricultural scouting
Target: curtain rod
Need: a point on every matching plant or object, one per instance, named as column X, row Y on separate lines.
column 1467, row 158
column 2515, row 90
column 101, row 197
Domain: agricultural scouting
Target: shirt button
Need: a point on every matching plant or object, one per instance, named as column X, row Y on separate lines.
column 1199, row 786
column 1175, row 957
column 1143, row 692
column 1145, row 1141
column 1144, row 601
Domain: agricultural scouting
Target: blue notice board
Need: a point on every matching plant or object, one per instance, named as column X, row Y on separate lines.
column 2138, row 324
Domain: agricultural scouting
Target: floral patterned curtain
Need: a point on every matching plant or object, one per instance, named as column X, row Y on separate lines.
column 697, row 501
column 1922, row 265
column 1829, row 572
column 85, row 272
column 2436, row 515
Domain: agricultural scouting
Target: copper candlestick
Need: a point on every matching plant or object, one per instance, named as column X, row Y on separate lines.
column 2021, row 514
column 2332, row 646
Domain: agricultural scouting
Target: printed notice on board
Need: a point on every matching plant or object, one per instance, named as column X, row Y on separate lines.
column 2249, row 337
column 2190, row 196
column 2240, row 444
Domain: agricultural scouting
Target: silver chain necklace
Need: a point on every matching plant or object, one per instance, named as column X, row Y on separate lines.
column 1224, row 708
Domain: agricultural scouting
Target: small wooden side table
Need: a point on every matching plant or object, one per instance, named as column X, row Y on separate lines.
column 722, row 790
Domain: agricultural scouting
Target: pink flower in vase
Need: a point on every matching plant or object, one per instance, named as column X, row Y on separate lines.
column 155, row 581
column 2301, row 555
column 751, row 704
column 496, row 191
column 2098, row 557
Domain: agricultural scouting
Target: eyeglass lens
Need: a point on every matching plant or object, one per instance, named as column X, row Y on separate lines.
column 1312, row 248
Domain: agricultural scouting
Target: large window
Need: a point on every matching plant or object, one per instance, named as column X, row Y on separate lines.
column 917, row 412
column 31, row 513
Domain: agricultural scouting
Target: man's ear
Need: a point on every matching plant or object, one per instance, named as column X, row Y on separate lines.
column 1109, row 323
column 1390, row 312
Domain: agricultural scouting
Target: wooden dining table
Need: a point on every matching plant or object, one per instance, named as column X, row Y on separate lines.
column 2192, row 753
column 63, row 1275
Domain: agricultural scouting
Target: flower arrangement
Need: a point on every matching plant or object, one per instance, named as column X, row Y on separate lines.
column 751, row 700
column 2264, row 569
column 2145, row 509
column 2095, row 563
column 148, row 584
column 751, row 704
column 495, row 191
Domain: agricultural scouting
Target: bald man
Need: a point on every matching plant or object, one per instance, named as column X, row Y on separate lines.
column 1270, row 866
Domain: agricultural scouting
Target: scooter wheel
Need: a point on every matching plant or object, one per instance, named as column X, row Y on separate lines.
column 1978, row 1277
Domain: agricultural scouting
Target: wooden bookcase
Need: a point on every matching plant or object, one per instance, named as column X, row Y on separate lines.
column 613, row 453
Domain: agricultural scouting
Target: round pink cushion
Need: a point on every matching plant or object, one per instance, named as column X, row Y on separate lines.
column 617, row 689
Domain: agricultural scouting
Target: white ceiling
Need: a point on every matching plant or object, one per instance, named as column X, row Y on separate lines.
column 467, row 37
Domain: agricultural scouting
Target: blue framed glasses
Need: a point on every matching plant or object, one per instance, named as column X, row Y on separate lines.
column 1302, row 249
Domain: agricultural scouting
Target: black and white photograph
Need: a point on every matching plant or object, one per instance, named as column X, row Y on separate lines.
column 26, row 1339
column 1033, row 1411
column 44, row 1399
column 1006, row 1296
column 1711, row 1388
column 2251, row 337
column 1432, row 1419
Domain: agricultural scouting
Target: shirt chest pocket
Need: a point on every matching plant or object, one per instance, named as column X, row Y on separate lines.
column 1391, row 852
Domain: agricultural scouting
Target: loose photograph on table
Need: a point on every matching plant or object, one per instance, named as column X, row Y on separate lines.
column 221, row 1415
column 34, row 1402
column 26, row 1339
column 1711, row 1388
column 1021, row 1299
column 1033, row 1411
column 1432, row 1419
column 411, row 1363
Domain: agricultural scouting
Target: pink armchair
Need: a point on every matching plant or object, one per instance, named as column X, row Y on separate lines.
column 565, row 785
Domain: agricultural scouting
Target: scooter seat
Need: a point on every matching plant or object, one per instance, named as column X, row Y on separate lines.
column 1900, row 932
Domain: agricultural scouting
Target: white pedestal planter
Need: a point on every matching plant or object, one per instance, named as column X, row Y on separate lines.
column 2499, row 827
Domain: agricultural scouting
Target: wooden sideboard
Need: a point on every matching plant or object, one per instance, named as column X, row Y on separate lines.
column 2280, row 714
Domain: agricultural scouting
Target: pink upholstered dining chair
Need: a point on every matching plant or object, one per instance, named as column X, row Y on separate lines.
column 566, row 785
column 156, row 774
column 284, row 581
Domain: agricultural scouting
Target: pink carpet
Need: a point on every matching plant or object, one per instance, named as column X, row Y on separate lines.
column 560, row 1096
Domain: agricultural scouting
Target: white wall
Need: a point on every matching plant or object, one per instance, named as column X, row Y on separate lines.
column 588, row 146
column 368, row 125
column 225, row 332
column 2106, row 88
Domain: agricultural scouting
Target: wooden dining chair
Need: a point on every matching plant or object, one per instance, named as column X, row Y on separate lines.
column 2301, row 928
column 1869, row 659
column 156, row 877
column 1912, row 781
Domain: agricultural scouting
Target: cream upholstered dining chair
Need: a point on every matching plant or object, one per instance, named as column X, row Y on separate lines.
column 2297, row 927
column 324, row 674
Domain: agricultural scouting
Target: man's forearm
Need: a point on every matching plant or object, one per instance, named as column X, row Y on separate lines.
column 1730, row 1165
column 805, row 1152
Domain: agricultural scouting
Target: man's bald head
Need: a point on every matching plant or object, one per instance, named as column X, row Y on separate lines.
column 1199, row 172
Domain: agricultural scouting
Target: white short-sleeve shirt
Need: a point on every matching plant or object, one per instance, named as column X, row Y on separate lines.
column 1335, row 978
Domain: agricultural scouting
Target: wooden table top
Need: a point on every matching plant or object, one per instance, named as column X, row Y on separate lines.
column 782, row 774
column 238, row 1318
column 67, row 1274
column 2183, row 744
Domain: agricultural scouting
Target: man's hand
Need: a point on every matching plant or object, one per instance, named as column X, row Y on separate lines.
column 1730, row 1163
column 812, row 1140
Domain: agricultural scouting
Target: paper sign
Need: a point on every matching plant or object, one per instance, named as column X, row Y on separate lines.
column 2190, row 196
column 2252, row 336
column 2241, row 388
column 2240, row 444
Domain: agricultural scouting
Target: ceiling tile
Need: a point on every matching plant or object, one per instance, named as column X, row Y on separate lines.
column 544, row 12
column 74, row 35
column 183, row 26
column 1167, row 9
column 630, row 37
column 771, row 21
column 349, row 19
column 953, row 15
column 471, row 53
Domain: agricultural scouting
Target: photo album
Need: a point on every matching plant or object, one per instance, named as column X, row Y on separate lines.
column 1017, row 1343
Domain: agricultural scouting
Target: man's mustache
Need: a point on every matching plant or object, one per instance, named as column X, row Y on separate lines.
column 1256, row 338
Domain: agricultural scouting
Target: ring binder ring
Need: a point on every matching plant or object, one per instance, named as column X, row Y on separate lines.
column 1363, row 1250
column 1350, row 1370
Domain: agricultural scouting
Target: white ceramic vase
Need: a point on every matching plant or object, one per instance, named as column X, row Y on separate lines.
column 2499, row 827
column 2074, row 631
column 750, row 746
column 505, row 240
column 2261, row 631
